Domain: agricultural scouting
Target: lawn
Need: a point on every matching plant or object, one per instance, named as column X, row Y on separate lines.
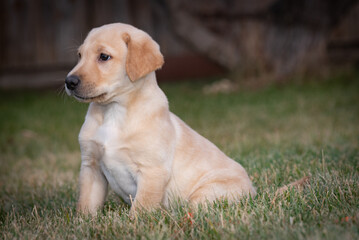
column 279, row 134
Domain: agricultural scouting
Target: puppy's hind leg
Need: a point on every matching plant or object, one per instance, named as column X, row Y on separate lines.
column 222, row 184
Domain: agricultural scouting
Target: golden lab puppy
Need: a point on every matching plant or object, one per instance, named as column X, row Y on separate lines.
column 130, row 140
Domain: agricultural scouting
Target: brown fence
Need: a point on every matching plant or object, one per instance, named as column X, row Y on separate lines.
column 39, row 38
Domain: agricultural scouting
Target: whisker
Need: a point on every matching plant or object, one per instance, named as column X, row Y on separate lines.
column 60, row 89
column 60, row 92
column 71, row 49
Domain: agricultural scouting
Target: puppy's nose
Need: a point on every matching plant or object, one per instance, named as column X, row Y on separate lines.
column 72, row 81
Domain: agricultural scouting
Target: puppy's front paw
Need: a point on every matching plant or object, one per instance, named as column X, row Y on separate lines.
column 133, row 213
column 85, row 211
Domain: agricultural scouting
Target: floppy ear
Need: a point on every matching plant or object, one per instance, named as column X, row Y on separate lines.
column 143, row 56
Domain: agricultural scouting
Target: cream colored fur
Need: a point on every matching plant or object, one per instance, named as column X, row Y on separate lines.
column 131, row 141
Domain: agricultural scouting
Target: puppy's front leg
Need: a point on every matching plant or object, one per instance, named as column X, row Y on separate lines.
column 151, row 188
column 93, row 189
column 93, row 183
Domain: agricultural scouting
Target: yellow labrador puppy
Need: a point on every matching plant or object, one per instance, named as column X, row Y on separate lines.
column 130, row 140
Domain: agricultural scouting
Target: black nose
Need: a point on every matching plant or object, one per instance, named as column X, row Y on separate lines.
column 72, row 81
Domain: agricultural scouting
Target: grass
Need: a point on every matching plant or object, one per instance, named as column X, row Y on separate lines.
column 279, row 134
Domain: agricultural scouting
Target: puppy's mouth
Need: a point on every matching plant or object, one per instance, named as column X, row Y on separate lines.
column 89, row 99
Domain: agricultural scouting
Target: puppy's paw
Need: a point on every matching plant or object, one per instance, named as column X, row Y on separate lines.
column 133, row 214
column 85, row 211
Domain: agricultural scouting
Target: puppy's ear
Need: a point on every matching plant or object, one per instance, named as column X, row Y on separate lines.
column 143, row 56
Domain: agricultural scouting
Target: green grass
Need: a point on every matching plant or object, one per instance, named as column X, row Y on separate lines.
column 279, row 134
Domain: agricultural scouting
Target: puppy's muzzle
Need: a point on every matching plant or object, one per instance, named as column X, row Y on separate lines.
column 72, row 82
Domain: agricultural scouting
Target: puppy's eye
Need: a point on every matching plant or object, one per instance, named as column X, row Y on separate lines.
column 79, row 55
column 104, row 57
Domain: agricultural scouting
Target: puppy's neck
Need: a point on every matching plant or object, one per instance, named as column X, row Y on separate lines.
column 147, row 95
column 144, row 92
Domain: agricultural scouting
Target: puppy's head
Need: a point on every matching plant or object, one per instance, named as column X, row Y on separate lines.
column 111, row 59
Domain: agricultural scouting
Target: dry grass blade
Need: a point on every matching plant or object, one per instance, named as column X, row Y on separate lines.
column 297, row 184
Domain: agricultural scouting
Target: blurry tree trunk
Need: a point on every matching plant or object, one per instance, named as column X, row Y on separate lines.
column 278, row 37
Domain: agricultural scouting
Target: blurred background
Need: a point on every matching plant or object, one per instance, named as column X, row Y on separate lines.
column 261, row 41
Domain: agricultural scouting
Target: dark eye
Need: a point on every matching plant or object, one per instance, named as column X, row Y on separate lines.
column 104, row 57
column 79, row 55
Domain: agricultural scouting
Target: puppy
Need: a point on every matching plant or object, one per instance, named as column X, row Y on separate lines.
column 130, row 140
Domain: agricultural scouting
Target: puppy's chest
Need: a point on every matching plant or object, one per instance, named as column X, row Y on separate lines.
column 108, row 136
column 115, row 163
